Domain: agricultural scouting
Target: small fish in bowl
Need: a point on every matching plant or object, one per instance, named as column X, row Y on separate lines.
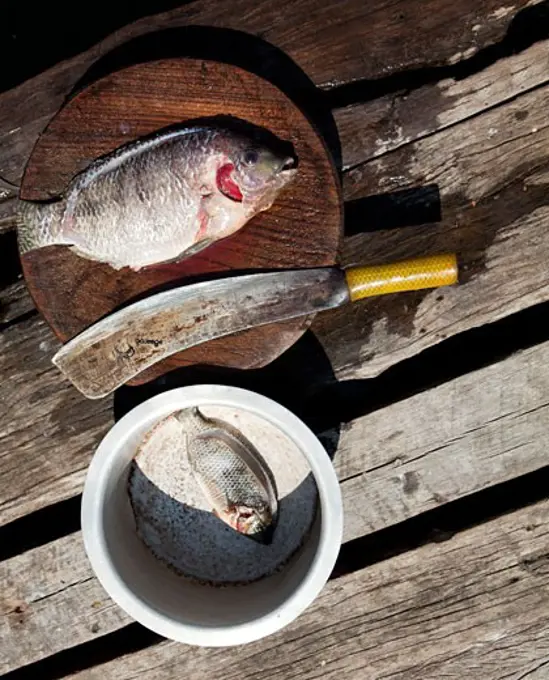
column 232, row 474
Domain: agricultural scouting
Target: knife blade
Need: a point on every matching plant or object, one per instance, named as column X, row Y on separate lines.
column 117, row 348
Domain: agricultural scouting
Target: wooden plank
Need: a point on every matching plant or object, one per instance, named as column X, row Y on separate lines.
column 37, row 602
column 466, row 435
column 471, row 433
column 384, row 124
column 333, row 44
column 47, row 430
column 488, row 160
column 476, row 605
column 491, row 173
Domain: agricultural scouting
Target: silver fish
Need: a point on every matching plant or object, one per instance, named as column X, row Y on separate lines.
column 161, row 198
column 232, row 475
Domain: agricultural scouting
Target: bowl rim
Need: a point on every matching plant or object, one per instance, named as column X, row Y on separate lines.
column 331, row 526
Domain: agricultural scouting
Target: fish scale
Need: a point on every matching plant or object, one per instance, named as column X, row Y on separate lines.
column 159, row 199
column 232, row 474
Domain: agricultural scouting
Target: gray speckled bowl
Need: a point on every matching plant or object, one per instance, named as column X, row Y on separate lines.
column 157, row 597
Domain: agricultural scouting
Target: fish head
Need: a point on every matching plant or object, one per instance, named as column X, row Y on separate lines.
column 256, row 522
column 256, row 173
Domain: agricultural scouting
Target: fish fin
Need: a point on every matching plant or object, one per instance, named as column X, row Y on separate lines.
column 188, row 252
column 76, row 250
column 39, row 224
column 194, row 249
column 194, row 412
column 197, row 413
column 113, row 160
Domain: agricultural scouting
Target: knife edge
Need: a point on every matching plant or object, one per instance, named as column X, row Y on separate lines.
column 117, row 348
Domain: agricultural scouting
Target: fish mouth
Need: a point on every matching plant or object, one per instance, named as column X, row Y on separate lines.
column 264, row 537
column 288, row 165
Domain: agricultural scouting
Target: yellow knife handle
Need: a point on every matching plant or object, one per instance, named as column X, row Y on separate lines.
column 422, row 272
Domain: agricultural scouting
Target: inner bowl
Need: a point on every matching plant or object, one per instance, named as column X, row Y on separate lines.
column 155, row 595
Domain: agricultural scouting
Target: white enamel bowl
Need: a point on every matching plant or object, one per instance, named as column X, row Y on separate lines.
column 153, row 594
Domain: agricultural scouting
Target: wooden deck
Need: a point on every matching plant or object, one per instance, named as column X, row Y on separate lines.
column 435, row 404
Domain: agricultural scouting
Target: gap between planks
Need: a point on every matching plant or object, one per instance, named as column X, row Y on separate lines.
column 443, row 444
column 477, row 605
column 326, row 42
column 491, row 172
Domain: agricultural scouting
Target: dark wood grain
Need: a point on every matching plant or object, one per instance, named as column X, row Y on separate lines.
column 494, row 213
column 333, row 43
column 302, row 229
column 474, row 606
column 393, row 464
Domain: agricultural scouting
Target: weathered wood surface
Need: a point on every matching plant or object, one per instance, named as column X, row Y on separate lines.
column 333, row 44
column 73, row 292
column 471, row 433
column 15, row 301
column 47, row 431
column 466, row 435
column 373, row 128
column 476, row 605
column 50, row 600
column 492, row 174
column 503, row 239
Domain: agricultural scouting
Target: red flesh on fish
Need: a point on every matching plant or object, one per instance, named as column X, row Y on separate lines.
column 226, row 184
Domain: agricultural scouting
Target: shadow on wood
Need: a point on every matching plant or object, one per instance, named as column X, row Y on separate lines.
column 231, row 47
column 10, row 266
column 34, row 36
column 527, row 27
column 289, row 380
column 409, row 207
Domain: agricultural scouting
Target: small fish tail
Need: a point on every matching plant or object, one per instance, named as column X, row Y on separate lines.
column 39, row 224
column 197, row 413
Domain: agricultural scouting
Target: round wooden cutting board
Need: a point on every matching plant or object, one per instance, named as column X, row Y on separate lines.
column 302, row 229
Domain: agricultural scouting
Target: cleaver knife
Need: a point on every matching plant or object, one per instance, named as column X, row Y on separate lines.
column 117, row 348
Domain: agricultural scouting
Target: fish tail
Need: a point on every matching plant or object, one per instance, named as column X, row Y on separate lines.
column 39, row 224
column 197, row 413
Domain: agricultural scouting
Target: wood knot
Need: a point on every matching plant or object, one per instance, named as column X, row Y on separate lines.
column 410, row 482
column 538, row 565
column 16, row 610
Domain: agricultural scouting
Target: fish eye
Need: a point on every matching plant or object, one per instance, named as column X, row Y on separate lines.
column 251, row 157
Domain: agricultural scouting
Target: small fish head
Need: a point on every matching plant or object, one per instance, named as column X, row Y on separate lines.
column 256, row 523
column 261, row 172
